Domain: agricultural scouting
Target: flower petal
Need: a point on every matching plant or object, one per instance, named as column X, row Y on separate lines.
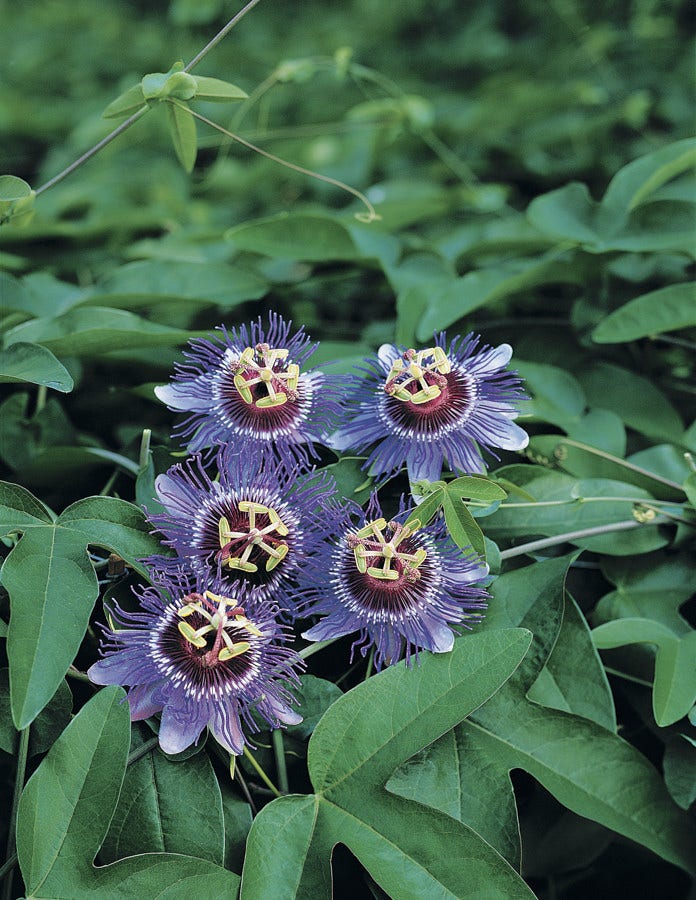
column 424, row 463
column 182, row 397
column 182, row 722
column 226, row 727
column 142, row 702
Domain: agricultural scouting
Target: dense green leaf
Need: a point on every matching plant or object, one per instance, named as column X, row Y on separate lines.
column 585, row 461
column 632, row 397
column 126, row 104
column 48, row 622
column 92, row 331
column 651, row 587
column 146, row 282
column 566, row 505
column 667, row 309
column 314, row 697
column 296, row 236
column 114, row 524
column 182, row 130
column 560, row 750
column 635, row 182
column 44, row 729
column 64, row 815
column 148, row 816
column 461, row 525
column 679, row 765
column 408, row 849
column 213, row 89
column 556, row 395
column 452, row 301
column 573, row 679
column 35, row 364
column 674, row 689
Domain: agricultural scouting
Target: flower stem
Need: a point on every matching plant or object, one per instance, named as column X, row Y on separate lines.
column 542, row 544
column 220, row 35
column 279, row 751
column 370, row 216
column 262, row 775
column 316, row 647
column 22, row 755
column 139, row 752
column 370, row 663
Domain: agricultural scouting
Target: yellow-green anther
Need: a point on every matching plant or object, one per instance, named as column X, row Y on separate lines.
column 242, row 388
column 192, row 636
column 384, row 574
column 243, row 565
column 249, row 506
column 387, row 550
column 360, row 559
column 280, row 527
column 293, row 375
column 420, row 363
column 248, row 626
column 236, row 650
column 277, row 555
column 272, row 400
column 187, row 610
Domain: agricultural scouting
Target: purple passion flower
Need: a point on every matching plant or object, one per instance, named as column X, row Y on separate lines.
column 246, row 386
column 422, row 407
column 251, row 530
column 198, row 659
column 403, row 587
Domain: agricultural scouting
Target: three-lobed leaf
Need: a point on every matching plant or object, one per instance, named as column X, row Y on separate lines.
column 410, row 850
column 53, row 586
column 65, row 810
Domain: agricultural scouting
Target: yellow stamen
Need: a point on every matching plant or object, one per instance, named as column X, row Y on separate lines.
column 420, row 363
column 387, row 551
column 259, row 366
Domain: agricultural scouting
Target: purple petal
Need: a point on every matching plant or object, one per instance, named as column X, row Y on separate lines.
column 182, row 722
column 387, row 354
column 118, row 668
column 424, row 463
column 329, row 628
column 141, row 701
column 510, row 436
column 226, row 727
column 181, row 396
column 281, row 711
column 438, row 637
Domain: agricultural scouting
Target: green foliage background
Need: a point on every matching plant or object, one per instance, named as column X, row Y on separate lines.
column 532, row 166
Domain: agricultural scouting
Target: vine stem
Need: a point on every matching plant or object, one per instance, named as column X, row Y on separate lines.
column 371, row 215
column 260, row 772
column 533, row 546
column 281, row 767
column 131, row 120
column 124, row 126
column 22, row 755
column 316, row 647
column 220, row 35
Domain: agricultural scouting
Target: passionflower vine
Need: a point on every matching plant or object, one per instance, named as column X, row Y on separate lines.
column 251, row 529
column 402, row 586
column 422, row 407
column 201, row 660
column 248, row 386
